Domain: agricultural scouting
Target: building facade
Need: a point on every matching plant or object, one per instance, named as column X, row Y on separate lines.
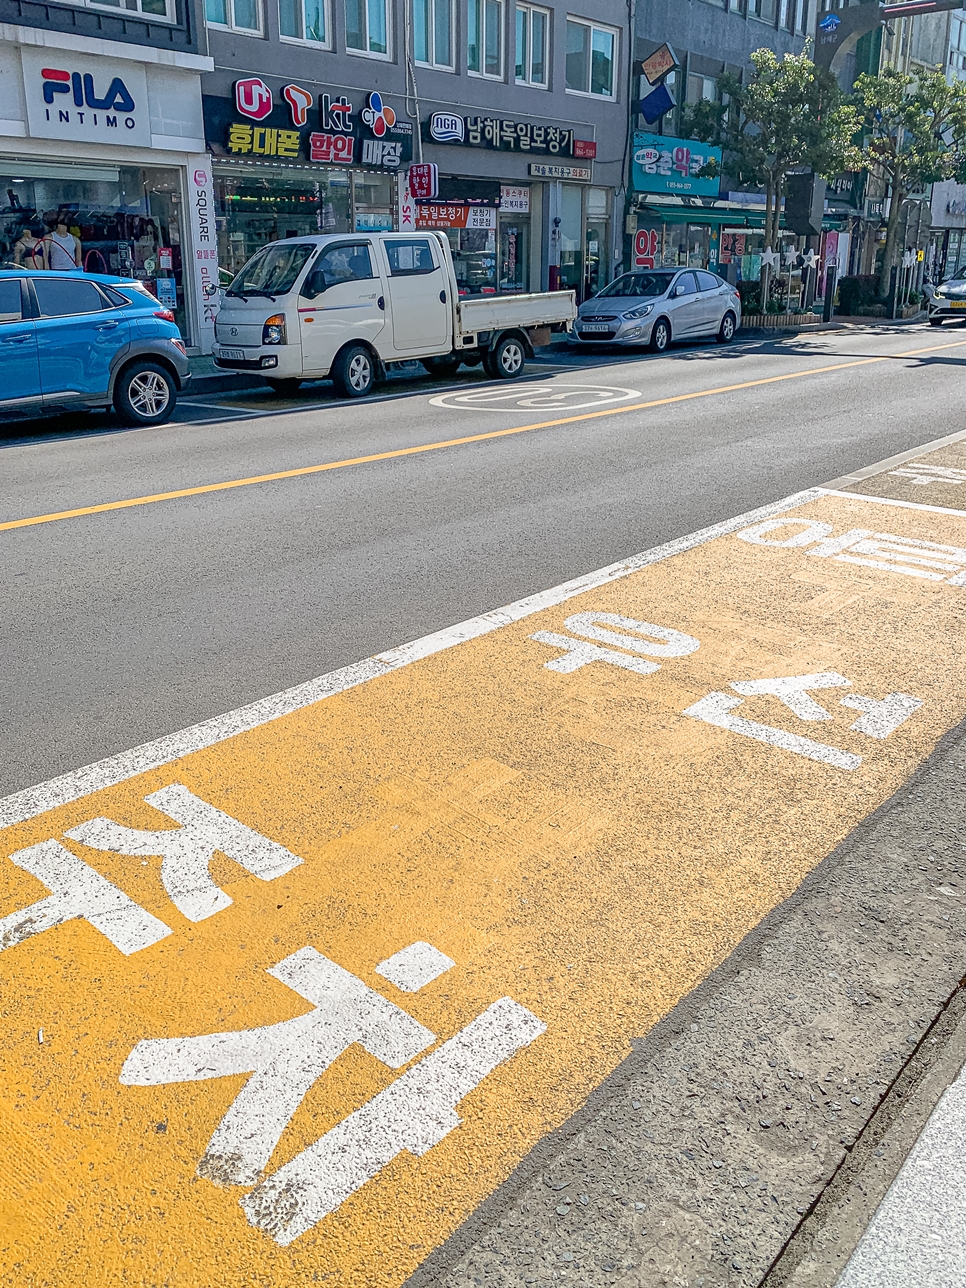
column 674, row 216
column 102, row 141
column 170, row 139
column 514, row 115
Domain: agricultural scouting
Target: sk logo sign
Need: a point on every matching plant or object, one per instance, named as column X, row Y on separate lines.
column 377, row 116
column 299, row 101
column 253, row 98
column 117, row 98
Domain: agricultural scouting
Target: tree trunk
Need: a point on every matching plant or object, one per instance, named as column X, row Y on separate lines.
column 892, row 229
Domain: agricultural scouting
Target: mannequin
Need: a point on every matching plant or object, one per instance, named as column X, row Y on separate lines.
column 30, row 250
column 63, row 247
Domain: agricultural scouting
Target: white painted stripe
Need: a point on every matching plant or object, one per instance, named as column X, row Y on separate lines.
column 880, row 467
column 888, row 500
column 150, row 755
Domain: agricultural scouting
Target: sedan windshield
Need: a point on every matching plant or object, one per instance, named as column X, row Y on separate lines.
column 650, row 284
column 273, row 270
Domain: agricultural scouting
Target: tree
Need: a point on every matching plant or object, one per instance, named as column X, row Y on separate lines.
column 789, row 115
column 915, row 134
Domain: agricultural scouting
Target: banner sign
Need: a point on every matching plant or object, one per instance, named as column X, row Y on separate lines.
column 506, row 136
column 293, row 124
column 663, row 164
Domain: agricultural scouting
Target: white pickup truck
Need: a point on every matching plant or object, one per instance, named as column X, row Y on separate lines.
column 348, row 306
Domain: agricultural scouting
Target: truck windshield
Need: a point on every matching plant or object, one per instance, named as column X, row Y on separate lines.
column 639, row 284
column 273, row 270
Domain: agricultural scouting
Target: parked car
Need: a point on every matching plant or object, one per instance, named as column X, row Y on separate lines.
column 656, row 306
column 949, row 300
column 347, row 306
column 76, row 340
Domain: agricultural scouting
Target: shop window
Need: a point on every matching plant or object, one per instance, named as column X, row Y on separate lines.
column 255, row 205
column 514, row 254
column 367, row 27
column 156, row 10
column 484, row 47
column 244, row 16
column 373, row 202
column 304, row 20
column 433, row 33
column 591, row 59
column 532, row 35
column 126, row 219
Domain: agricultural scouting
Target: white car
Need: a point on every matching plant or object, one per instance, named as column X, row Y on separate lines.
column 949, row 300
column 656, row 306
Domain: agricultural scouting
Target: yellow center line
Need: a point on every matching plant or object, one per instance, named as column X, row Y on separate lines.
column 456, row 442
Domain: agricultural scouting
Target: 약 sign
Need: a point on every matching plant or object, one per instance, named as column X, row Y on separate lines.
column 663, row 164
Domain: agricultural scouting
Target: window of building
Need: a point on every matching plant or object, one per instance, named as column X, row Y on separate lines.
column 433, row 33
column 765, row 10
column 484, row 38
column 367, row 27
column 244, row 16
column 532, row 35
column 160, row 10
column 702, row 87
column 591, row 59
column 304, row 20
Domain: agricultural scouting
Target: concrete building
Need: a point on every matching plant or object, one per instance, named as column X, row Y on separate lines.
column 674, row 216
column 521, row 109
column 102, row 137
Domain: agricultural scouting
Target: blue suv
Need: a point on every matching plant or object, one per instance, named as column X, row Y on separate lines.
column 86, row 340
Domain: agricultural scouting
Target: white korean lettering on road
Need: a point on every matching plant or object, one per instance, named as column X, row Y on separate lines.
column 77, row 891
column 921, row 475
column 648, row 640
column 284, row 1059
column 908, row 556
column 186, row 851
column 880, row 718
column 411, row 1115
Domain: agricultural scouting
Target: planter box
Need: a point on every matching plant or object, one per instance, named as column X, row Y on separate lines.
column 779, row 319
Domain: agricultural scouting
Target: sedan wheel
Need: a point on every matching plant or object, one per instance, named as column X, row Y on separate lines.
column 726, row 332
column 660, row 336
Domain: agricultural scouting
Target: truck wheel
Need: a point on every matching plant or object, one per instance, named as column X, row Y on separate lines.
column 443, row 365
column 285, row 388
column 507, row 360
column 354, row 372
column 145, row 394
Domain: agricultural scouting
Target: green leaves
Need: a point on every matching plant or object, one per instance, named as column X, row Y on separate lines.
column 914, row 127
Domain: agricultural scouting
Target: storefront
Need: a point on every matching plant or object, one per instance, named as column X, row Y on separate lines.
column 292, row 160
column 542, row 224
column 91, row 183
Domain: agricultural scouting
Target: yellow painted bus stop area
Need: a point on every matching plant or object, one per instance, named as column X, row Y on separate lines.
column 288, row 1007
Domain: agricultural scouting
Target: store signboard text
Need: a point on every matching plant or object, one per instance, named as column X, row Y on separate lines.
column 664, row 164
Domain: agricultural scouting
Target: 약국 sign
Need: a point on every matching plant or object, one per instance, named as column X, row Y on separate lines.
column 663, row 164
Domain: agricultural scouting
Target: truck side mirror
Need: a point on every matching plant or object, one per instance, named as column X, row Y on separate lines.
column 315, row 284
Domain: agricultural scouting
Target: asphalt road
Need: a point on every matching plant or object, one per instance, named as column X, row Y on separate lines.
column 122, row 625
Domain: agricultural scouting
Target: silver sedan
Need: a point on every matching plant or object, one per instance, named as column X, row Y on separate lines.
column 656, row 306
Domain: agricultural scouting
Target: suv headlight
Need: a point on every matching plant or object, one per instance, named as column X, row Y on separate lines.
column 642, row 312
column 273, row 332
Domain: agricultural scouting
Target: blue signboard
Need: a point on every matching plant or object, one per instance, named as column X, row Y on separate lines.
column 663, row 164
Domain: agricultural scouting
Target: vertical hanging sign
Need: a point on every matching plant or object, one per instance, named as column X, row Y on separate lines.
column 203, row 278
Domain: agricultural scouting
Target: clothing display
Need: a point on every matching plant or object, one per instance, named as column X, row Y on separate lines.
column 62, row 249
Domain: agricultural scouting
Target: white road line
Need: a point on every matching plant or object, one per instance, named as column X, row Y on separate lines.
column 888, row 500
column 115, row 769
column 880, row 467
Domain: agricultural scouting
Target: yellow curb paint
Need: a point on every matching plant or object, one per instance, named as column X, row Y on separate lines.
column 305, row 470
column 574, row 842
